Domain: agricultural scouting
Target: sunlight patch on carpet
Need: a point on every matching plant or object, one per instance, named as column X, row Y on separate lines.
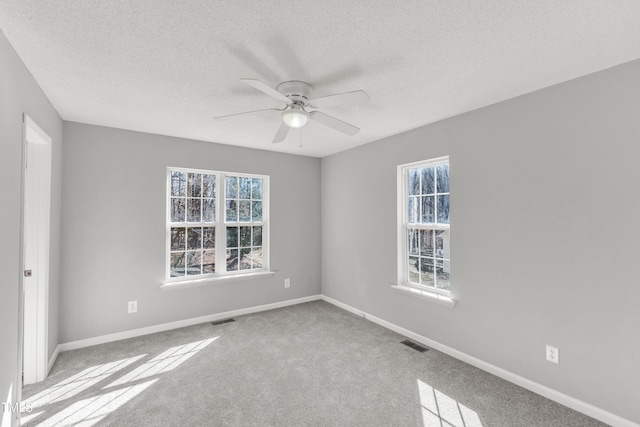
column 439, row 410
column 88, row 412
column 97, row 406
column 164, row 362
column 79, row 382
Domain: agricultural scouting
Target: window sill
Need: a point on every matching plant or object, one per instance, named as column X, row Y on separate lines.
column 429, row 296
column 182, row 284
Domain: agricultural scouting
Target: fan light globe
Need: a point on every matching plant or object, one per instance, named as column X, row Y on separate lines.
column 295, row 118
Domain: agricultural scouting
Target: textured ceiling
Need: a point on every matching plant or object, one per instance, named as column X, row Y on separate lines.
column 169, row 67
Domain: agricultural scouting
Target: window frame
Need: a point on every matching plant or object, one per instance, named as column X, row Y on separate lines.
column 438, row 294
column 221, row 226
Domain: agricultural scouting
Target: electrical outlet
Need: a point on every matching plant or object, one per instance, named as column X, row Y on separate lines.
column 553, row 354
column 132, row 306
column 287, row 283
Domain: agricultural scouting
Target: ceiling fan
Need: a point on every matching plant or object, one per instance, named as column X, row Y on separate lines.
column 296, row 113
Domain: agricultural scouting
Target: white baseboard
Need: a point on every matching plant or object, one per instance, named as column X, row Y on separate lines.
column 556, row 396
column 53, row 358
column 73, row 345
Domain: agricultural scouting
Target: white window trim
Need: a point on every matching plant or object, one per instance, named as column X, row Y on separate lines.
column 221, row 274
column 210, row 280
column 403, row 285
column 424, row 294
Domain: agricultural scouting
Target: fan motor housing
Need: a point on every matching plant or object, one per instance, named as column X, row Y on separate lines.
column 296, row 90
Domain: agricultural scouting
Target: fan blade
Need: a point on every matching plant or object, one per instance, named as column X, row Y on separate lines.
column 347, row 98
column 334, row 123
column 266, row 89
column 246, row 112
column 282, row 133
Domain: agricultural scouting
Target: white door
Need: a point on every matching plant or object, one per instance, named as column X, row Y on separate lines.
column 36, row 222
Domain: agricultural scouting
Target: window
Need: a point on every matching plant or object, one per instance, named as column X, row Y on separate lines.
column 216, row 224
column 424, row 231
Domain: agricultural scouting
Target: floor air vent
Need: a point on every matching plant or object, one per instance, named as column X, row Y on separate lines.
column 220, row 322
column 414, row 346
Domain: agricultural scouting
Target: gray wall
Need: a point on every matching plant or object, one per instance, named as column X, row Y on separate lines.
column 19, row 93
column 545, row 235
column 114, row 230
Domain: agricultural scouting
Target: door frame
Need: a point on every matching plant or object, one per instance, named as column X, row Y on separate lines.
column 36, row 222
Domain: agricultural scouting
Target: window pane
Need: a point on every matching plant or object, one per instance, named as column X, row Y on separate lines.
column 232, row 187
column 245, row 236
column 443, row 178
column 427, row 206
column 194, row 238
column 232, row 259
column 256, row 189
column 413, row 209
column 177, row 210
column 414, row 181
column 257, row 236
column 244, row 211
column 194, row 185
column 443, row 209
column 426, row 243
column 245, row 259
column 426, row 272
column 209, row 262
column 209, row 237
column 413, row 241
column 256, row 211
column 256, row 257
column 208, row 186
column 177, row 238
column 209, row 210
column 193, row 210
column 178, row 183
column 414, row 273
column 245, row 188
column 232, row 211
column 232, row 237
column 428, row 214
column 428, row 180
column 443, row 271
column 177, row 264
column 194, row 262
column 442, row 244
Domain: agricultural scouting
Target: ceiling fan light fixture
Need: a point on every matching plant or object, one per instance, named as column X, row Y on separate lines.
column 297, row 96
column 295, row 118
